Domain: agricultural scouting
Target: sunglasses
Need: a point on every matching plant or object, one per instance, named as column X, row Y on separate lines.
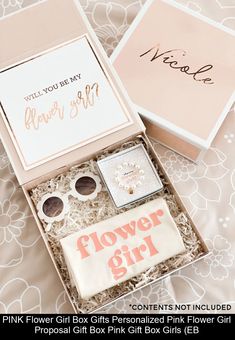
column 54, row 206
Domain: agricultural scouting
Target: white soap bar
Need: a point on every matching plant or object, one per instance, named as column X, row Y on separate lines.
column 117, row 249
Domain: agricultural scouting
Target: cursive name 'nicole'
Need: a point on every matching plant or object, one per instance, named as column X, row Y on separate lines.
column 173, row 58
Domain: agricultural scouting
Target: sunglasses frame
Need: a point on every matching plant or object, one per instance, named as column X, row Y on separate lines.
column 58, row 218
column 65, row 197
column 91, row 196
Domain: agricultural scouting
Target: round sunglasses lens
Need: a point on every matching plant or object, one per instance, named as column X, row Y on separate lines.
column 53, row 207
column 85, row 185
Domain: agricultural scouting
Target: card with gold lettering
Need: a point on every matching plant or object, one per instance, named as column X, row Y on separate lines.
column 55, row 102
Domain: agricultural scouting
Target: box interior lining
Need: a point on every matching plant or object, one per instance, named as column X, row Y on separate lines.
column 84, row 214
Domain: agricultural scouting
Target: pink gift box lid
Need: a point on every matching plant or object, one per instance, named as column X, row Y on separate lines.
column 178, row 68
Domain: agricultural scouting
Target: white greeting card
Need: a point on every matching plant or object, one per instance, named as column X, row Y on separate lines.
column 59, row 101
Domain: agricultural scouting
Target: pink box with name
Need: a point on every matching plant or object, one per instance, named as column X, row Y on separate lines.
column 178, row 68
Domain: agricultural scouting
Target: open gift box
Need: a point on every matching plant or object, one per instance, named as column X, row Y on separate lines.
column 64, row 113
